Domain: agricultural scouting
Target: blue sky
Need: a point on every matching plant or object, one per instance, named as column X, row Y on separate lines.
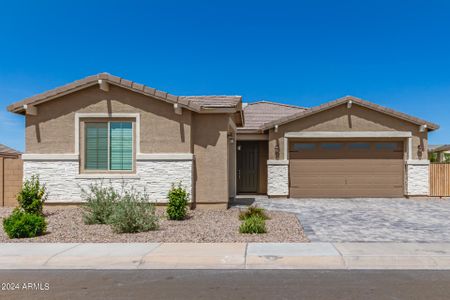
column 394, row 53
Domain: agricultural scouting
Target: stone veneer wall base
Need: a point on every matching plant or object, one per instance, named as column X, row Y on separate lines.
column 277, row 178
column 65, row 184
column 417, row 178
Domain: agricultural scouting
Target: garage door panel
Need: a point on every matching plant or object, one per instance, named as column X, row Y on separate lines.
column 357, row 170
column 347, row 176
column 318, row 171
column 348, row 187
column 347, row 179
column 347, row 193
column 342, row 161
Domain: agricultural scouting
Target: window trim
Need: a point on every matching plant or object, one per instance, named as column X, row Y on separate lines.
column 82, row 142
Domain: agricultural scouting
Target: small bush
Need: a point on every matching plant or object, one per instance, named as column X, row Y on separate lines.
column 253, row 224
column 21, row 224
column 178, row 201
column 32, row 196
column 253, row 211
column 133, row 214
column 100, row 203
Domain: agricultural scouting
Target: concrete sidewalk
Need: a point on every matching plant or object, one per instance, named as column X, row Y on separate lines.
column 225, row 256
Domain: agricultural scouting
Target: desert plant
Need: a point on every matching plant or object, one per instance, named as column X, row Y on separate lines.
column 21, row 224
column 133, row 213
column 100, row 203
column 253, row 224
column 178, row 201
column 253, row 211
column 32, row 196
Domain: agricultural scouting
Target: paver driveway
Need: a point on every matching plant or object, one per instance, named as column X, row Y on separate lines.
column 368, row 220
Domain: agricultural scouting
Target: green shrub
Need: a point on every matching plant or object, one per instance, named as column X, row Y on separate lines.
column 32, row 196
column 133, row 214
column 21, row 224
column 433, row 157
column 253, row 211
column 253, row 224
column 178, row 201
column 100, row 203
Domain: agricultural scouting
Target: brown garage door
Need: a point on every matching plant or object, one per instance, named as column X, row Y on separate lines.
column 346, row 169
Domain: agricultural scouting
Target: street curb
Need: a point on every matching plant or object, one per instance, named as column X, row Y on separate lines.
column 129, row 256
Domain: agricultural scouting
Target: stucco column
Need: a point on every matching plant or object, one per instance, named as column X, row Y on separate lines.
column 409, row 148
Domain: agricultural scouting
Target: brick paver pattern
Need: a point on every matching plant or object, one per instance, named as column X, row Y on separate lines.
column 368, row 220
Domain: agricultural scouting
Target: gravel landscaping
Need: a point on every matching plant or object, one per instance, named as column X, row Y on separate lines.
column 203, row 226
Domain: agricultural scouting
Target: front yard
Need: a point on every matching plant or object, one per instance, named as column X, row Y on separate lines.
column 65, row 225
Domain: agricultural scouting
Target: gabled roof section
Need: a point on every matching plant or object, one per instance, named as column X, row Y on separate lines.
column 354, row 100
column 198, row 104
column 258, row 113
column 9, row 152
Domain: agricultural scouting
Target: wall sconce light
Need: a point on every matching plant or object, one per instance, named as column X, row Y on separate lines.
column 420, row 151
column 231, row 140
column 277, row 151
column 238, row 148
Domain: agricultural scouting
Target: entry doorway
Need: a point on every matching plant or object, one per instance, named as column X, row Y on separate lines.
column 248, row 164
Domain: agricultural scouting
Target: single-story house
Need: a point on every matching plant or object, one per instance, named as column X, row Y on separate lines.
column 111, row 129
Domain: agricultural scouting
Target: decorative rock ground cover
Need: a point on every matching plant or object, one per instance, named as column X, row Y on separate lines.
column 203, row 226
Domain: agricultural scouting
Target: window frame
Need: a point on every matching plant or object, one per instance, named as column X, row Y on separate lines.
column 82, row 166
column 325, row 146
column 301, row 149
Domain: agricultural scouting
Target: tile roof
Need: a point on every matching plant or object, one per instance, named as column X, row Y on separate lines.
column 7, row 151
column 432, row 147
column 346, row 99
column 195, row 103
column 257, row 114
column 213, row 101
column 438, row 148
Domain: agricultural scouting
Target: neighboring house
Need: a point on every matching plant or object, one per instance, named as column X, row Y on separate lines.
column 11, row 169
column 439, row 153
column 108, row 128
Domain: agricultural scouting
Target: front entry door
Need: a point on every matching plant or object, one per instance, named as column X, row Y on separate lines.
column 247, row 167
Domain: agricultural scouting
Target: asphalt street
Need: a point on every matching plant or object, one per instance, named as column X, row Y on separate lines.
column 221, row 284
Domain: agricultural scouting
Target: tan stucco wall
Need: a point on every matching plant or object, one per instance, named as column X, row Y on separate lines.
column 11, row 173
column 162, row 131
column 52, row 131
column 210, row 145
column 356, row 118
